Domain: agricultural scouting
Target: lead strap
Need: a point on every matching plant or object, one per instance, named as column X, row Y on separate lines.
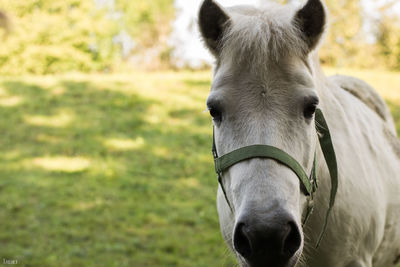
column 215, row 155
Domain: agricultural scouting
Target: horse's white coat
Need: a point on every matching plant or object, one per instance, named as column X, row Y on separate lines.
column 262, row 77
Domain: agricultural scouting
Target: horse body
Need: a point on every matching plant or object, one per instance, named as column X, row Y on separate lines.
column 364, row 229
column 366, row 94
column 267, row 82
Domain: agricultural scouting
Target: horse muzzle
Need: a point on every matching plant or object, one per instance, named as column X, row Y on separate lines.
column 269, row 240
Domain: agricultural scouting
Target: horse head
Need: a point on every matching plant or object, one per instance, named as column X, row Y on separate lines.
column 263, row 92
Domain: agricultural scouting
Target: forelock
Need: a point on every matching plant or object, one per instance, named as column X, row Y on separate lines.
column 257, row 35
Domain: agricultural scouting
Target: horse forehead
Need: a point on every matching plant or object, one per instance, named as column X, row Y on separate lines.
column 287, row 76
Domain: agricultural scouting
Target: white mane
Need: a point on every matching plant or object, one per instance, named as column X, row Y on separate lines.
column 261, row 34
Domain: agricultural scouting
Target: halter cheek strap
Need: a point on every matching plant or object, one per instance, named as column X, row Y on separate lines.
column 325, row 141
column 308, row 183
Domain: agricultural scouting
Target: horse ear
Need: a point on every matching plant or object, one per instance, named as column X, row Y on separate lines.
column 213, row 20
column 311, row 20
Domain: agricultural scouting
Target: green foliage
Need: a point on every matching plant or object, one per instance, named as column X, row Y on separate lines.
column 344, row 40
column 56, row 36
column 46, row 37
column 149, row 23
column 389, row 41
column 146, row 21
column 102, row 170
column 346, row 43
column 62, row 36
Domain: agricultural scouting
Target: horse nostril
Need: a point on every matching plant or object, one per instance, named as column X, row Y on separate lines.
column 270, row 240
column 292, row 241
column 241, row 241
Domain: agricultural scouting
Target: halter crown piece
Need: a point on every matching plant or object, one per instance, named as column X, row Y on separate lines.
column 308, row 183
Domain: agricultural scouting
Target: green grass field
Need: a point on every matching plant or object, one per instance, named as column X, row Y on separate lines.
column 103, row 170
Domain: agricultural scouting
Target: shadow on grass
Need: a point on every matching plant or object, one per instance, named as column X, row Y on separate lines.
column 86, row 179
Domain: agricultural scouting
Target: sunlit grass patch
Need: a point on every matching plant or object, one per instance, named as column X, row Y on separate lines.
column 62, row 164
column 154, row 114
column 61, row 119
column 87, row 205
column 58, row 91
column 10, row 155
column 160, row 151
column 10, row 101
column 189, row 182
column 3, row 92
column 124, row 144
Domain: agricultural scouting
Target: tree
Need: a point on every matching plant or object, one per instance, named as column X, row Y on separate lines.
column 4, row 22
column 51, row 36
column 345, row 39
column 388, row 38
column 149, row 24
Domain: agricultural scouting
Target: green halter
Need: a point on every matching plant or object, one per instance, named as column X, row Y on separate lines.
column 308, row 183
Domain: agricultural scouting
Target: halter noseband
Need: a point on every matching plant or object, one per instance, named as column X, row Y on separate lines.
column 308, row 183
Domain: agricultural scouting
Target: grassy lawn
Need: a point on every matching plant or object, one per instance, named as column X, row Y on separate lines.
column 115, row 170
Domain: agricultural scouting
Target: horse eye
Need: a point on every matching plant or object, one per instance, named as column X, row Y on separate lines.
column 309, row 110
column 215, row 113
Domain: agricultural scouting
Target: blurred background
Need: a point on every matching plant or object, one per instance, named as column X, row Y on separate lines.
column 105, row 150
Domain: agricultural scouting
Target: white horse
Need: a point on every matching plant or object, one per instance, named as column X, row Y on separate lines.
column 267, row 85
